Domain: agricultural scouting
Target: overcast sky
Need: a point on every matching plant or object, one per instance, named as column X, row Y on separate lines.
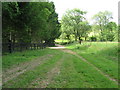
column 91, row 6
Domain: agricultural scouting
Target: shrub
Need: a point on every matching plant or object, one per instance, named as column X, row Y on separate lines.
column 93, row 38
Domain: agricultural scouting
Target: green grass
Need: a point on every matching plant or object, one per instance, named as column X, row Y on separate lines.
column 19, row 57
column 103, row 55
column 25, row 79
column 62, row 42
column 74, row 73
column 59, row 40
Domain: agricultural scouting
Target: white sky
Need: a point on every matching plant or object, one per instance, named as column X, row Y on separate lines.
column 91, row 6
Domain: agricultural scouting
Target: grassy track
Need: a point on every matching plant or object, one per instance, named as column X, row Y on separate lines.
column 20, row 57
column 26, row 78
column 77, row 74
column 102, row 55
column 61, row 69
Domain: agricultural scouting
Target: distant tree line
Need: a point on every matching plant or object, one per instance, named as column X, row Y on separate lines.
column 29, row 22
column 108, row 30
column 74, row 25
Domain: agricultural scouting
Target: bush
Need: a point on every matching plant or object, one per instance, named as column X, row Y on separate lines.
column 110, row 37
column 93, row 38
column 64, row 43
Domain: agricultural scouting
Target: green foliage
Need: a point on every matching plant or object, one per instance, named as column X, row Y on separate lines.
column 73, row 23
column 93, row 38
column 108, row 30
column 102, row 18
column 110, row 36
column 112, row 32
column 30, row 22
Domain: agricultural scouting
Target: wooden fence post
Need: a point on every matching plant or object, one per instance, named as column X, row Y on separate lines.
column 9, row 46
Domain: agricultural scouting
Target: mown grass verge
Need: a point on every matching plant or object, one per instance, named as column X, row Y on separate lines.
column 76, row 73
column 103, row 55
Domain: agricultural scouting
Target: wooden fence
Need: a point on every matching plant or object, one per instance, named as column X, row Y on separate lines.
column 13, row 47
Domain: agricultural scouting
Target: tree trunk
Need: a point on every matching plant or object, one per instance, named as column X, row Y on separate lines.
column 68, row 37
column 80, row 41
column 9, row 46
column 14, row 43
column 75, row 38
column 50, row 42
column 85, row 38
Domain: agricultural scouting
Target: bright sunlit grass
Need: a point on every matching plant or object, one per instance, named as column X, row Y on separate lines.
column 60, row 40
column 103, row 55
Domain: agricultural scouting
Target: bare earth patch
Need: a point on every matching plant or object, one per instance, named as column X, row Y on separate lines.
column 15, row 71
column 50, row 75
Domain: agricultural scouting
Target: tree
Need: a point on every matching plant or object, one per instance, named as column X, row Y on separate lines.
column 9, row 12
column 85, row 28
column 111, row 31
column 27, row 22
column 102, row 19
column 38, row 23
column 72, row 23
column 15, row 21
column 53, row 26
column 66, row 30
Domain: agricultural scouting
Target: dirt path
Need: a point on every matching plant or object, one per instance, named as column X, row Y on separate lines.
column 15, row 71
column 74, row 53
column 50, row 75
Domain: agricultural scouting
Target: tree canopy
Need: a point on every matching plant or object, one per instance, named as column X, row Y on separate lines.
column 74, row 22
column 106, row 27
column 37, row 22
column 30, row 22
